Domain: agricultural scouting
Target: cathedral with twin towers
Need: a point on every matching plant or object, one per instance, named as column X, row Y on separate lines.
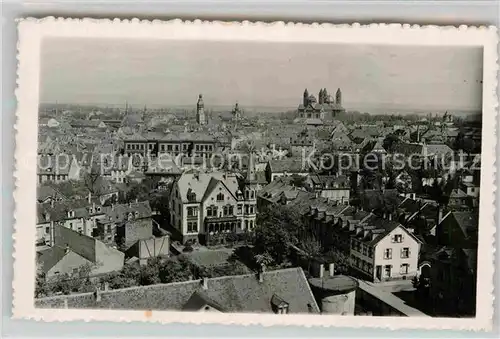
column 324, row 106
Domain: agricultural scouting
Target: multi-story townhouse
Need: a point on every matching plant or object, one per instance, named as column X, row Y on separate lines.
column 208, row 207
column 384, row 250
column 79, row 216
column 57, row 168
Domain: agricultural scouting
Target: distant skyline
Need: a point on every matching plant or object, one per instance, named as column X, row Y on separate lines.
column 173, row 73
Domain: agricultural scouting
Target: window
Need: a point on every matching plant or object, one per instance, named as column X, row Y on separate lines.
column 192, row 227
column 370, row 252
column 246, row 224
column 220, row 197
column 252, row 194
column 388, row 253
column 364, row 249
column 246, row 209
column 251, row 224
column 108, row 229
column 231, row 210
column 226, row 210
column 405, row 252
column 387, row 270
column 192, row 211
column 169, row 147
column 251, row 209
column 405, row 268
column 398, row 238
column 47, row 230
column 209, row 211
column 240, row 209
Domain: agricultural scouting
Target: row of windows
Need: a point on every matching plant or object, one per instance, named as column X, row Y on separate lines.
column 404, row 254
column 170, row 147
column 136, row 146
column 213, row 211
column 403, row 269
column 361, row 264
column 360, row 247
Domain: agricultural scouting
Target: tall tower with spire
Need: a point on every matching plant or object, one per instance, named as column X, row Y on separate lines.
column 306, row 97
column 200, row 111
column 338, row 97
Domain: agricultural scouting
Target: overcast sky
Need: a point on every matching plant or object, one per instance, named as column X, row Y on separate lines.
column 156, row 72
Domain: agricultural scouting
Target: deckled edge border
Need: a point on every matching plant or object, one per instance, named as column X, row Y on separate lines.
column 239, row 319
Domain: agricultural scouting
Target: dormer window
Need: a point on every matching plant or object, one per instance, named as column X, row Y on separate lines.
column 191, row 196
column 279, row 305
column 71, row 214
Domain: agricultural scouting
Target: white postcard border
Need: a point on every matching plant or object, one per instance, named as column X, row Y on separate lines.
column 32, row 31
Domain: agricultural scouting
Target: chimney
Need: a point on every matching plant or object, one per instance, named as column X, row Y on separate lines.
column 331, row 269
column 390, row 216
column 90, row 197
column 204, row 283
column 52, row 203
column 321, row 271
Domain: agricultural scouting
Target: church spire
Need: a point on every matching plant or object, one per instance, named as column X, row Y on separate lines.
column 338, row 97
column 200, row 111
column 306, row 97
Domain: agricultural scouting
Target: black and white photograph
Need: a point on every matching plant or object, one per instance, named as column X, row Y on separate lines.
column 258, row 177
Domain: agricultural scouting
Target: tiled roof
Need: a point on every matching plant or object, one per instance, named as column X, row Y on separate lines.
column 468, row 222
column 243, row 293
column 45, row 191
column 53, row 164
column 198, row 183
column 198, row 300
column 438, row 149
column 51, row 257
column 119, row 213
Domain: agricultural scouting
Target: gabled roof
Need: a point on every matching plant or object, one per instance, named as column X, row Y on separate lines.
column 51, row 257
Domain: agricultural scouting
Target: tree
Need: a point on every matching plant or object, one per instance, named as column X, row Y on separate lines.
column 298, row 180
column 312, row 249
column 263, row 259
column 41, row 288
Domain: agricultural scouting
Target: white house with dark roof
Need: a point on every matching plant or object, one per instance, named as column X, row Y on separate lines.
column 384, row 250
